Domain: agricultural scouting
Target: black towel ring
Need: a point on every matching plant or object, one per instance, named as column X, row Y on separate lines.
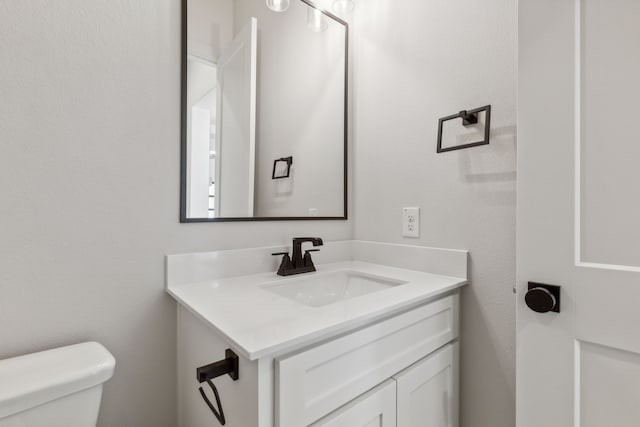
column 230, row 365
column 219, row 415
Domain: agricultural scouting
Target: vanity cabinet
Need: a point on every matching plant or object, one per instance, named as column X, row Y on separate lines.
column 399, row 371
column 359, row 343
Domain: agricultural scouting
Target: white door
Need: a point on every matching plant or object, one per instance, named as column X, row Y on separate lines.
column 428, row 391
column 236, row 117
column 579, row 212
column 377, row 408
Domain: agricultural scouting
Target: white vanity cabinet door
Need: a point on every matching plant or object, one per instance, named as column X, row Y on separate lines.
column 428, row 391
column 376, row 408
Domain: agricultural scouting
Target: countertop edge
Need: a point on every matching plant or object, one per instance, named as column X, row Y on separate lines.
column 330, row 332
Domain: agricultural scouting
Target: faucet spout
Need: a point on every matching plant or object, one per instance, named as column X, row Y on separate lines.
column 296, row 257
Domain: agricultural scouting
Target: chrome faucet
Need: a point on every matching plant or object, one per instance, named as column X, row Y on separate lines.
column 298, row 263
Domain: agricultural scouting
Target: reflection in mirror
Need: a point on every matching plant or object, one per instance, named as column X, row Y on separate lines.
column 260, row 89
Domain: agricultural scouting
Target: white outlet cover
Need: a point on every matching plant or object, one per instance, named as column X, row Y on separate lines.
column 411, row 222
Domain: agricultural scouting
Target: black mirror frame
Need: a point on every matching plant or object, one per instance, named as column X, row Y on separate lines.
column 183, row 131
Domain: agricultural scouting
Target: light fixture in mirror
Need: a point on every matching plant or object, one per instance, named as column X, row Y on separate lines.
column 343, row 6
column 316, row 20
column 259, row 86
column 278, row 5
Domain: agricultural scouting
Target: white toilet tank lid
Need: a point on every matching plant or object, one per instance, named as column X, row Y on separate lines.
column 33, row 379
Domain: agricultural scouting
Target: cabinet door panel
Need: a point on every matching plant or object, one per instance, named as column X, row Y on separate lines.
column 376, row 408
column 428, row 391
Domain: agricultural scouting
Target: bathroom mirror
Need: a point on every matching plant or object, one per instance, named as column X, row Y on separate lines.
column 264, row 112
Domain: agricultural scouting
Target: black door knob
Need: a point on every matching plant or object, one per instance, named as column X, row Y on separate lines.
column 543, row 298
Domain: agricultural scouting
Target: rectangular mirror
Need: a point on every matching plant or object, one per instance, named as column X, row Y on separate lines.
column 264, row 111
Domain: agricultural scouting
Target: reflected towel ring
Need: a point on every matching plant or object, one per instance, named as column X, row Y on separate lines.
column 219, row 415
column 282, row 168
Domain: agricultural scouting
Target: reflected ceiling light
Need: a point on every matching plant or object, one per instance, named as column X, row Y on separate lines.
column 343, row 6
column 316, row 20
column 278, row 5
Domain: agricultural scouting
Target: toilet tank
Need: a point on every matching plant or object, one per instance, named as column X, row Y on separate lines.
column 54, row 388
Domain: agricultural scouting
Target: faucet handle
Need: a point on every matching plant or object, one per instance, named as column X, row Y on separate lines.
column 307, row 261
column 285, row 265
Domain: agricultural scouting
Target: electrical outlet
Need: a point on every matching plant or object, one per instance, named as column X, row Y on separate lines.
column 411, row 222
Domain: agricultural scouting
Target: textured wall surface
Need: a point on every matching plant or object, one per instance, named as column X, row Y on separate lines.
column 89, row 131
column 89, row 171
column 417, row 61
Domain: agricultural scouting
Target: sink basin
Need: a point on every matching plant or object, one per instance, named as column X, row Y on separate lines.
column 317, row 290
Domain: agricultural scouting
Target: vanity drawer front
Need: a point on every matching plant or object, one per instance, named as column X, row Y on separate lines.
column 313, row 383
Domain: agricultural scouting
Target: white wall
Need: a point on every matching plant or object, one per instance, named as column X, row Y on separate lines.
column 89, row 178
column 417, row 61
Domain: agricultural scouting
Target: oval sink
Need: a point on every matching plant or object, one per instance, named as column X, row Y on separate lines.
column 317, row 290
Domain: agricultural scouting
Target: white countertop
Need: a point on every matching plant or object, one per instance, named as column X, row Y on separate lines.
column 260, row 323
